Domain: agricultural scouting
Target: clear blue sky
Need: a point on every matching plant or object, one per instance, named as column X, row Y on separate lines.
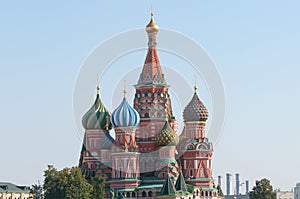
column 254, row 44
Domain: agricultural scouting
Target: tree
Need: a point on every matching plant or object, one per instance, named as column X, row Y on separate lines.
column 262, row 190
column 37, row 191
column 98, row 187
column 66, row 184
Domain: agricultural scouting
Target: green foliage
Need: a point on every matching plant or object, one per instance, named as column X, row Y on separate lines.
column 220, row 192
column 68, row 183
column 262, row 190
column 37, row 191
column 98, row 187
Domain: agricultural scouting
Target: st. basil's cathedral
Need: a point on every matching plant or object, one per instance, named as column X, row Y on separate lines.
column 147, row 159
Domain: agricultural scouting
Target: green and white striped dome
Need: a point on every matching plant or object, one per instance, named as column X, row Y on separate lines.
column 97, row 117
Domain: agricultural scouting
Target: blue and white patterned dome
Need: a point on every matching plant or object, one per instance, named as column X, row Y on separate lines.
column 125, row 116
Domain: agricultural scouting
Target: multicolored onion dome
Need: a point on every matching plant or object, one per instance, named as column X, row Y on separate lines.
column 125, row 116
column 106, row 142
column 152, row 25
column 97, row 117
column 166, row 136
column 195, row 110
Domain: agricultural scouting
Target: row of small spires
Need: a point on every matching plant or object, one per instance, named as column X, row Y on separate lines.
column 125, row 91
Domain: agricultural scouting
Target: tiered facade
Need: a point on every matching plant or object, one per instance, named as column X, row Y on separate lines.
column 147, row 159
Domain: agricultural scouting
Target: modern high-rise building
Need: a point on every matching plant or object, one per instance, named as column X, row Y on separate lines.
column 297, row 191
column 141, row 161
column 234, row 189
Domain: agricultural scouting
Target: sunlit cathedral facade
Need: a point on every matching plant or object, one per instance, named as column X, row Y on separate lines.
column 147, row 158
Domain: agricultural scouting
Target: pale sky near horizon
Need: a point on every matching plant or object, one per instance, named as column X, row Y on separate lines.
column 254, row 45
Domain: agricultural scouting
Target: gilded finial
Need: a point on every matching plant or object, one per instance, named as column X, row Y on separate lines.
column 107, row 123
column 98, row 86
column 98, row 90
column 124, row 89
column 180, row 167
column 152, row 26
column 195, row 84
column 168, row 171
column 167, row 116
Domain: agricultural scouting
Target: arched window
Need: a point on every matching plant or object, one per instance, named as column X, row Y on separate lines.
column 128, row 139
column 128, row 195
column 133, row 194
column 191, row 173
column 201, row 173
column 202, row 147
column 150, row 194
column 149, row 164
column 120, row 173
column 121, row 139
column 131, row 172
column 143, row 165
column 144, row 194
column 190, row 147
column 146, row 115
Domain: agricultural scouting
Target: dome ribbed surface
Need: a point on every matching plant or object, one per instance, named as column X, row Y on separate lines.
column 195, row 110
column 166, row 136
column 96, row 117
column 125, row 115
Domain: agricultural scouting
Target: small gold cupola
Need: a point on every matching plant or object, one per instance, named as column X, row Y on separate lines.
column 152, row 26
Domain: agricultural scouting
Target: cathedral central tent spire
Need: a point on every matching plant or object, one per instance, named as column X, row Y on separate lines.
column 152, row 73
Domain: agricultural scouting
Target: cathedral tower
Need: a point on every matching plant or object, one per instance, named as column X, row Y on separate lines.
column 125, row 155
column 151, row 101
column 195, row 149
column 167, row 140
column 96, row 124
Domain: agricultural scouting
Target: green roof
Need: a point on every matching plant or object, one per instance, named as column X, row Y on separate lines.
column 208, row 189
column 124, row 189
column 168, row 187
column 201, row 179
column 180, row 183
column 9, row 187
column 123, row 179
column 167, row 161
column 152, row 178
column 150, row 186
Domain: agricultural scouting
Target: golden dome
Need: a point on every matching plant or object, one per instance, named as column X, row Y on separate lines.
column 152, row 26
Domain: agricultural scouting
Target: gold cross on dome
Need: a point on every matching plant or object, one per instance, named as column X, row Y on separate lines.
column 125, row 88
column 195, row 83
